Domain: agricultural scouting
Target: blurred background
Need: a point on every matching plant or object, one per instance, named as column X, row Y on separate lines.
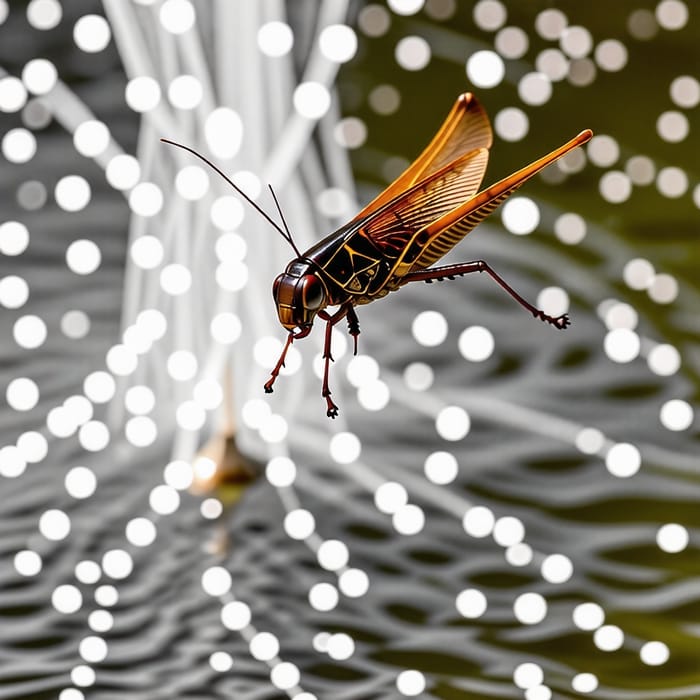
column 501, row 510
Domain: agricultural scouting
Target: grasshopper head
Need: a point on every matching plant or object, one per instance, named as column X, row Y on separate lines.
column 299, row 295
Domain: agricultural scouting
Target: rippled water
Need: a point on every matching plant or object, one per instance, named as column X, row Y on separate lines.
column 527, row 404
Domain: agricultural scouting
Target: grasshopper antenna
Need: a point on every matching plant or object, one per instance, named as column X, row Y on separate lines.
column 284, row 222
column 283, row 232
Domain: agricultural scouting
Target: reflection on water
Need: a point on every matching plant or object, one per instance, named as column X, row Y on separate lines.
column 501, row 510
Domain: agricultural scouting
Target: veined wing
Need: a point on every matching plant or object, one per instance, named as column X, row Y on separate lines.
column 395, row 225
column 465, row 129
column 442, row 234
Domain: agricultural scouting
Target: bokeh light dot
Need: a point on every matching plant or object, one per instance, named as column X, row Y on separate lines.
column 236, row 615
column 374, row 20
column 29, row 331
column 623, row 460
column 441, row 467
column 146, row 199
column 18, row 145
column 177, row 16
column 390, row 496
column 54, row 524
column 685, row 91
column 106, row 595
column 672, row 126
column 654, row 653
column 221, row 661
column 552, row 63
column 530, row 608
column 311, row 99
column 216, row 581
column 588, row 616
column 275, row 39
column 519, row 554
column 589, row 440
column 584, row 683
column 608, row 638
column 489, row 15
column 338, row 42
column 164, row 499
column 642, row 25
column 66, row 599
column 676, row 415
column 141, row 532
column 44, row 14
column 353, row 583
column 93, row 649
column 508, row 531
column 528, row 675
column 672, row 182
column 345, row 447
column 83, row 257
column 264, row 646
column 622, row 345
column 663, row 289
column 557, row 568
column 520, row 215
column 72, row 193
column 551, row 23
column 570, row 228
column 80, row 482
column 117, row 564
column 485, row 68
column 27, row 562
column 640, row 170
column 478, row 521
column 13, row 94
column 211, row 508
column 638, row 273
column 511, row 42
column 418, row 376
column 178, row 474
column 14, row 238
column 664, row 360
column 452, row 423
column 412, row 53
column 553, row 301
column 429, row 328
column 603, row 150
column 409, row 519
column 22, row 394
column 672, row 538
column 471, row 603
column 611, row 55
column 671, row 15
column 511, row 124
column 142, row 93
column 299, row 524
column 92, row 33
column 91, row 138
column 33, row 446
column 405, row 7
column 410, row 683
column 185, row 92
column 615, row 186
column 121, row 361
column 350, row 132
column 534, row 89
column 323, row 597
column 339, row 646
column 175, row 279
column 285, row 675
column 12, row 462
